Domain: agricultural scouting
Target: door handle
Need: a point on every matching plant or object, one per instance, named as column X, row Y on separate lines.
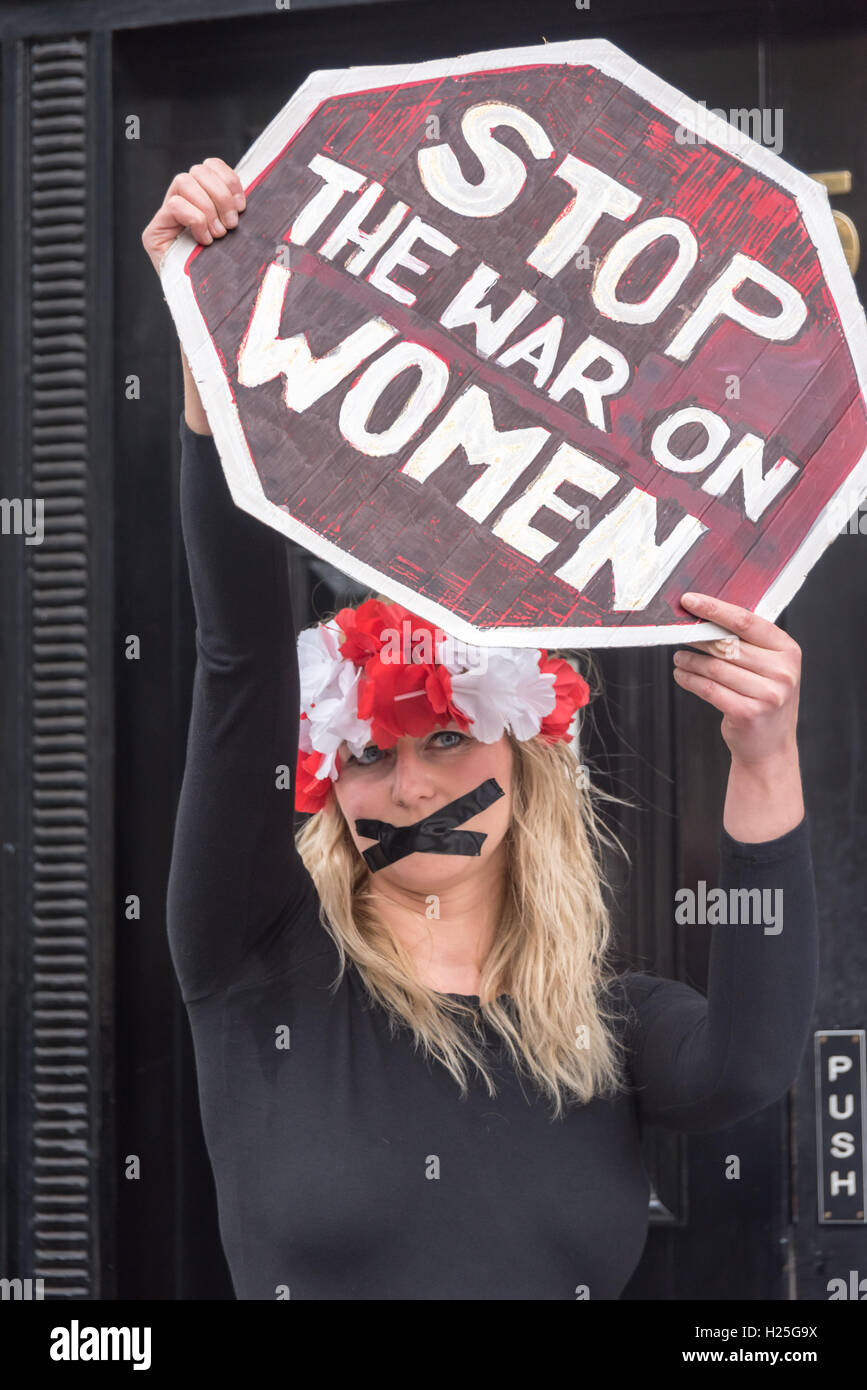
column 840, row 181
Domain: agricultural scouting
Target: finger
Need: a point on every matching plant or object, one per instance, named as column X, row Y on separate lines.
column 188, row 214
column 740, row 621
column 731, row 649
column 232, row 180
column 221, row 194
column 727, row 701
column 734, row 677
column 187, row 187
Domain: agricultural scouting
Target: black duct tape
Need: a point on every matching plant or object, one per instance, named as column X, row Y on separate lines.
column 435, row 834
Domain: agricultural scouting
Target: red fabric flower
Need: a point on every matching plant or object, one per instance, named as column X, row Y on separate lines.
column 400, row 697
column 311, row 792
column 363, row 626
column 406, row 700
column 571, row 692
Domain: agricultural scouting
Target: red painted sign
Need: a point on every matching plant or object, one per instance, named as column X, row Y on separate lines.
column 493, row 338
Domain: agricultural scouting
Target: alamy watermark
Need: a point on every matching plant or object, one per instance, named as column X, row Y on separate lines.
column 77, row 1343
column 732, row 907
column 23, row 1289
column 17, row 518
column 845, row 514
column 761, row 124
column 421, row 645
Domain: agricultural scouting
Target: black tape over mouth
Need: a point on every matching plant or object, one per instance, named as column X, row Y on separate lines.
column 435, row 834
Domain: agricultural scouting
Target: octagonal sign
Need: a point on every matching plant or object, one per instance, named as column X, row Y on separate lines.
column 533, row 344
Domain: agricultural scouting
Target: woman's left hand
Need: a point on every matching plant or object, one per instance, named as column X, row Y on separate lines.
column 755, row 686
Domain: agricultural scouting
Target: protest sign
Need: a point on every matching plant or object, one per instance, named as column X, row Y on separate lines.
column 533, row 344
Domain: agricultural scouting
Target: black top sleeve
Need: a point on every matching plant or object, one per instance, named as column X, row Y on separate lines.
column 237, row 884
column 706, row 1063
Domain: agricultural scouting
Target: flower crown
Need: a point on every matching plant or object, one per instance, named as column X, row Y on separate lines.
column 378, row 672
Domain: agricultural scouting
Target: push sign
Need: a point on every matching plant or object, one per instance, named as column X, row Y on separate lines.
column 495, row 339
column 840, row 1125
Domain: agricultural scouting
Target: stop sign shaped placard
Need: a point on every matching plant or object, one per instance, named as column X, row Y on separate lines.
column 533, row 344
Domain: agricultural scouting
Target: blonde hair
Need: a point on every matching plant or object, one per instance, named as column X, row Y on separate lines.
column 551, row 946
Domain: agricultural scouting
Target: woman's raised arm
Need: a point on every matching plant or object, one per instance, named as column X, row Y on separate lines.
column 240, row 901
column 706, row 1063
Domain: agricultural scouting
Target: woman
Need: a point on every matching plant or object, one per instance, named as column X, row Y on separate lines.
column 419, row 1076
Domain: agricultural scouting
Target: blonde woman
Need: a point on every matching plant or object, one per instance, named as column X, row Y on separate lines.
column 419, row 1076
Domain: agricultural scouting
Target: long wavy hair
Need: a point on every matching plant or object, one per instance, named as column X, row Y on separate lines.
column 558, row 1022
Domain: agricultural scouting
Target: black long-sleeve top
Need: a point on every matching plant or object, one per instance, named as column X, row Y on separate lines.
column 323, row 1149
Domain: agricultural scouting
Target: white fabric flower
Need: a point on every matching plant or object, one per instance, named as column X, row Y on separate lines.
column 318, row 660
column 506, row 691
column 304, row 741
column 329, row 698
column 457, row 656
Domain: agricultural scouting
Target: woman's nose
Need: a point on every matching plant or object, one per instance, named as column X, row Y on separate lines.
column 412, row 780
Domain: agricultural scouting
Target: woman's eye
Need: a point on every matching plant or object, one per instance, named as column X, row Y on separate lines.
column 364, row 761
column 451, row 733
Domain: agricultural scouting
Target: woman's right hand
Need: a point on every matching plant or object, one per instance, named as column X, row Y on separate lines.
column 207, row 201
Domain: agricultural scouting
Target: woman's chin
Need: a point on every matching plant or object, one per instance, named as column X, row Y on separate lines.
column 427, row 873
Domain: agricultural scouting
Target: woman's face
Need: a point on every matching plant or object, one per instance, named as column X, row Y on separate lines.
column 403, row 784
